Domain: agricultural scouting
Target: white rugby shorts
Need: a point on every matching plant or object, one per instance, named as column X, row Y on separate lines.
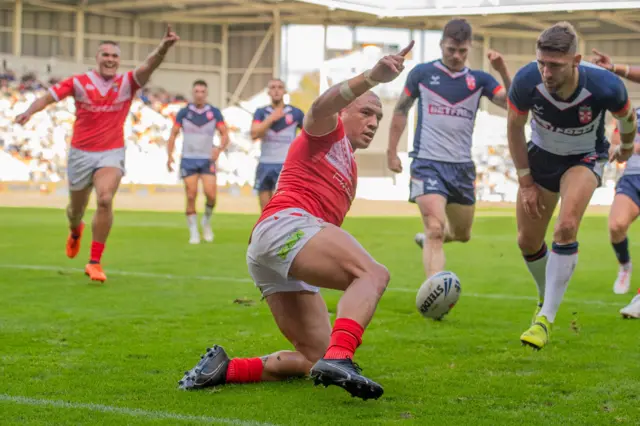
column 275, row 242
column 81, row 165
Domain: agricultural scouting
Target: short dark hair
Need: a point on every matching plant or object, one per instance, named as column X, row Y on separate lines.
column 459, row 30
column 200, row 83
column 560, row 37
column 111, row 42
column 277, row 79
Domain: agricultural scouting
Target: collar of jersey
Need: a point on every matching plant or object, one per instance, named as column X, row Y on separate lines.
column 442, row 67
column 582, row 79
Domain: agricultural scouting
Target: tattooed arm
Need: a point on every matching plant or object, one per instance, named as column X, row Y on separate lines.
column 398, row 124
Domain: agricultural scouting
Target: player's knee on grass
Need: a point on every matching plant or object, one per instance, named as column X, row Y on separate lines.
column 566, row 230
column 461, row 235
column 285, row 364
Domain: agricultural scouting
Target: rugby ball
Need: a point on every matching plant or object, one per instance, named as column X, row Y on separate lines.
column 438, row 294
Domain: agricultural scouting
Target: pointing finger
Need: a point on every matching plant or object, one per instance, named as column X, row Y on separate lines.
column 407, row 49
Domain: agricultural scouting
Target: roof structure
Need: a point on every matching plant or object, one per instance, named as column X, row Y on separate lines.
column 495, row 17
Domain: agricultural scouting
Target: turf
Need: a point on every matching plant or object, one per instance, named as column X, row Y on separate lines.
column 72, row 352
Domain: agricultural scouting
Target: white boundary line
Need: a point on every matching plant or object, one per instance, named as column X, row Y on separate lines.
column 248, row 280
column 132, row 412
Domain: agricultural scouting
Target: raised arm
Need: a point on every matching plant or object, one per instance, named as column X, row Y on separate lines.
column 630, row 72
column 143, row 73
column 497, row 62
column 322, row 117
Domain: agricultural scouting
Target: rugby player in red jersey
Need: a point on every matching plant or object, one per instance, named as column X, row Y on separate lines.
column 298, row 246
column 97, row 154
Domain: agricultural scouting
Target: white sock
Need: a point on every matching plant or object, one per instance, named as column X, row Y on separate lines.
column 538, row 268
column 562, row 262
column 192, row 220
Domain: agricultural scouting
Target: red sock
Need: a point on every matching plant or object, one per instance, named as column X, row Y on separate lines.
column 96, row 251
column 345, row 339
column 244, row 370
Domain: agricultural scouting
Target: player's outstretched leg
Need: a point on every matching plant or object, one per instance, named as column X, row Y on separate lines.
column 106, row 181
column 302, row 318
column 531, row 233
column 576, row 189
column 624, row 211
column 334, row 259
column 78, row 200
column 191, row 191
column 210, row 188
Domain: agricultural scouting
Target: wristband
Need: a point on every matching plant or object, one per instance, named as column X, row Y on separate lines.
column 523, row 172
column 367, row 77
column 346, row 92
column 627, row 145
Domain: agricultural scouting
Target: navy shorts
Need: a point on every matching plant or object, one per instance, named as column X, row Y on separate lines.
column 629, row 185
column 267, row 176
column 195, row 166
column 547, row 169
column 454, row 181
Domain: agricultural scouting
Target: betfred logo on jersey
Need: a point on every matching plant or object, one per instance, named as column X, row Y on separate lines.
column 569, row 131
column 585, row 115
column 288, row 118
column 209, row 115
column 471, row 82
column 450, row 111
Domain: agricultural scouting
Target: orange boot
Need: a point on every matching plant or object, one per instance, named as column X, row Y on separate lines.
column 73, row 242
column 95, row 272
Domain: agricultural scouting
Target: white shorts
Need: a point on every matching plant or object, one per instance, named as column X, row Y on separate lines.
column 275, row 242
column 81, row 165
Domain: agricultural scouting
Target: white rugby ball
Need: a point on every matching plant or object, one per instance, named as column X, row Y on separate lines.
column 438, row 294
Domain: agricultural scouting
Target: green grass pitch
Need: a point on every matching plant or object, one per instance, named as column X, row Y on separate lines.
column 76, row 353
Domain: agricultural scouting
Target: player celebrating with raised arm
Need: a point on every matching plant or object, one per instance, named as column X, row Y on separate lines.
column 198, row 121
column 97, row 154
column 275, row 125
column 442, row 171
column 566, row 156
column 297, row 246
column 626, row 203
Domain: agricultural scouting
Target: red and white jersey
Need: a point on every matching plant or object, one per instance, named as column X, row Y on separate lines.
column 101, row 108
column 319, row 175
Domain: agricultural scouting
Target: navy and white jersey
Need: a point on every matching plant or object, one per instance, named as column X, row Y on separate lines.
column 198, row 129
column 276, row 142
column 571, row 126
column 633, row 164
column 447, row 106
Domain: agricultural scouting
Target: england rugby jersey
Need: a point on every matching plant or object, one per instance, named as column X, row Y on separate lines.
column 276, row 142
column 571, row 126
column 447, row 106
column 198, row 128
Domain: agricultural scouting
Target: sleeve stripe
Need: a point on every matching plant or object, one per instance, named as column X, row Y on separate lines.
column 515, row 108
column 623, row 111
column 54, row 94
column 257, row 121
column 220, row 124
column 408, row 92
column 496, row 90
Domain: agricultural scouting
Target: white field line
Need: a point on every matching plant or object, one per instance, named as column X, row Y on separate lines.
column 132, row 412
column 248, row 280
